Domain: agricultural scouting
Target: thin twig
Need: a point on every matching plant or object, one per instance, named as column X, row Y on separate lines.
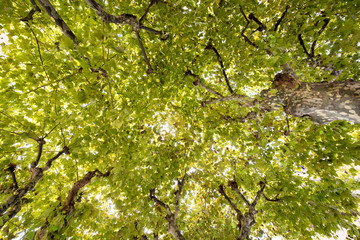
column 39, row 51
column 150, row 70
column 62, row 132
column 51, row 130
column 20, row 124
column 57, row 81
column 112, row 99
column 198, row 82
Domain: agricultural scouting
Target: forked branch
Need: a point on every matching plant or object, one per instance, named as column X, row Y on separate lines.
column 171, row 217
column 130, row 20
column 243, row 31
column 30, row 15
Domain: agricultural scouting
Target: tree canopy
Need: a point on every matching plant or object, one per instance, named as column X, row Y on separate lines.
column 181, row 119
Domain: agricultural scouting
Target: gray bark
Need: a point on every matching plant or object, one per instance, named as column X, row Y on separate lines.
column 323, row 102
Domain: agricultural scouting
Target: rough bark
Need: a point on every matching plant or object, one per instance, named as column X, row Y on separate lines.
column 323, row 102
column 69, row 204
column 13, row 204
column 171, row 216
column 51, row 11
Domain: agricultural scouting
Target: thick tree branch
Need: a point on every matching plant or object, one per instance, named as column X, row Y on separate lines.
column 13, row 203
column 32, row 12
column 281, row 18
column 234, row 186
column 11, row 169
column 41, row 142
column 178, row 194
column 243, row 31
column 303, row 46
column 160, row 203
column 51, row 11
column 210, row 46
column 109, row 18
column 233, row 205
column 70, row 199
column 261, row 27
column 171, row 217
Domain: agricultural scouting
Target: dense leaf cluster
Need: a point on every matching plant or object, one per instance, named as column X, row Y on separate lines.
column 110, row 129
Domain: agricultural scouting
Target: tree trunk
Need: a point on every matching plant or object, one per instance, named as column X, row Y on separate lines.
column 323, row 102
column 173, row 228
column 246, row 224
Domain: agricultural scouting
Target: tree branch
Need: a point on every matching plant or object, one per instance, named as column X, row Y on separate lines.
column 326, row 22
column 32, row 12
column 13, row 211
column 39, row 51
column 11, row 169
column 210, row 46
column 51, row 11
column 171, row 217
column 178, row 194
column 150, row 70
column 70, row 199
column 258, row 194
column 239, row 214
column 51, row 160
column 242, row 32
column 261, row 27
column 41, row 142
column 281, row 18
column 109, row 18
column 272, row 200
column 312, row 49
column 303, row 46
column 199, row 83
column 163, row 35
column 147, row 11
column 234, row 186
column 57, row 81
column 157, row 201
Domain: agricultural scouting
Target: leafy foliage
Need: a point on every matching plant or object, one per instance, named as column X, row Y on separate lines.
column 97, row 97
